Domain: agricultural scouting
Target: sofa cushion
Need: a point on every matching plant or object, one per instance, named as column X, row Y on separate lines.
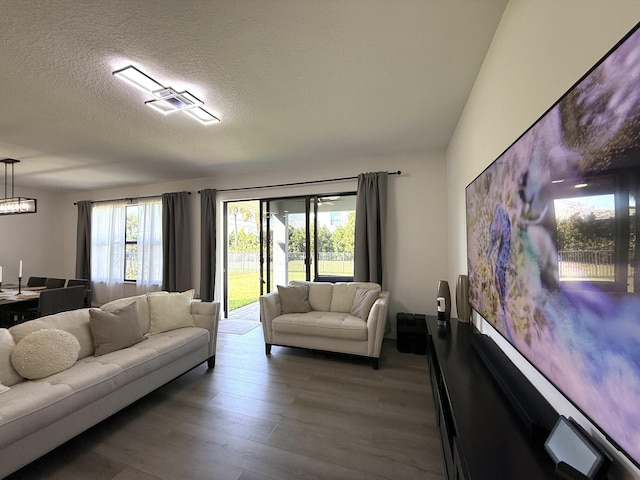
column 342, row 299
column 294, row 298
column 45, row 352
column 168, row 311
column 95, row 377
column 75, row 322
column 320, row 294
column 143, row 309
column 30, row 406
column 363, row 300
column 8, row 374
column 115, row 330
column 322, row 324
column 23, row 408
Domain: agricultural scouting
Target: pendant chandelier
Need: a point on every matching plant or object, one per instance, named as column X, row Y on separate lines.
column 14, row 205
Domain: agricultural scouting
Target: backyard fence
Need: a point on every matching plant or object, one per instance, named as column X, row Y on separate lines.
column 580, row 264
column 330, row 262
column 243, row 262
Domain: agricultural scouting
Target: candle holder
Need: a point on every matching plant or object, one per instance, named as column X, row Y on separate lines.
column 19, row 285
column 0, row 287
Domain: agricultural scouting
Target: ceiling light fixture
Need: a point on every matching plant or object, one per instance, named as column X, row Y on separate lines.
column 170, row 101
column 14, row 205
column 167, row 100
column 202, row 115
column 140, row 80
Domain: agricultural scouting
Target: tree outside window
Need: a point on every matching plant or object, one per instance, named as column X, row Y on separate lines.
column 131, row 244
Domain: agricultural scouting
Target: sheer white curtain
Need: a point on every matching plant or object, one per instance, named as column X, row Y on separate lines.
column 107, row 250
column 149, row 276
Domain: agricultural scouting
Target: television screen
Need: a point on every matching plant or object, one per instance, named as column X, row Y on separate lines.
column 551, row 244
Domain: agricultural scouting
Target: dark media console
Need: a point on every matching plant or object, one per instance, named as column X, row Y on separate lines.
column 537, row 415
column 491, row 428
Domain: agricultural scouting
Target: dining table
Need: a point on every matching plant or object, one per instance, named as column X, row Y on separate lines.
column 12, row 298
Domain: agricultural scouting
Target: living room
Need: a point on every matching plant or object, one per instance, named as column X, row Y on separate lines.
column 538, row 51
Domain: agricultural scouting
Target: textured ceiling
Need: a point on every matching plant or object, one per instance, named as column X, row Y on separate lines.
column 291, row 80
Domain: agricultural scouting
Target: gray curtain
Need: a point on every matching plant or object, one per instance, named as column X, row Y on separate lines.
column 83, row 241
column 176, row 243
column 371, row 222
column 207, row 244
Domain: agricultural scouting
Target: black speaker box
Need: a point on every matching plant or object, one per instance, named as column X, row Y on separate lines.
column 412, row 333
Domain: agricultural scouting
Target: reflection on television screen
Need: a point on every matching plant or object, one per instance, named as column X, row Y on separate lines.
column 552, row 250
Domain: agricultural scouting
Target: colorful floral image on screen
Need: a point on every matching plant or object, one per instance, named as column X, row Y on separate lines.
column 552, row 245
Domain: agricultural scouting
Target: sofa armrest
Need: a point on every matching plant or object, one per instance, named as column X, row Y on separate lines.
column 207, row 315
column 376, row 323
column 269, row 309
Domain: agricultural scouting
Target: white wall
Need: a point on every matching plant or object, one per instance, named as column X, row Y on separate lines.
column 416, row 243
column 34, row 238
column 540, row 49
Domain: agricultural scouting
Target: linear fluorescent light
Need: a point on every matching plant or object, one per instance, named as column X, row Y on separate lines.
column 138, row 79
column 170, row 101
column 580, row 185
column 167, row 100
column 202, row 115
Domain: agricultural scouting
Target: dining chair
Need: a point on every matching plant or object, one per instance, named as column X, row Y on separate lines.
column 54, row 283
column 36, row 281
column 60, row 300
column 52, row 301
column 72, row 282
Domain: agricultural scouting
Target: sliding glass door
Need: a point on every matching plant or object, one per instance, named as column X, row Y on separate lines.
column 335, row 232
column 271, row 242
column 242, row 254
column 285, row 241
column 307, row 238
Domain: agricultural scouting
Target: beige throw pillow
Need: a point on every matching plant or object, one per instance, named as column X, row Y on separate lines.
column 168, row 311
column 143, row 309
column 45, row 352
column 115, row 330
column 363, row 301
column 294, row 299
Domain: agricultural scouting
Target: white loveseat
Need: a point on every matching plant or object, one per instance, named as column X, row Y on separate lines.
column 345, row 317
column 172, row 335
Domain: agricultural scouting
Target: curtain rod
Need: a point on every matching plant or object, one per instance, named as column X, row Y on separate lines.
column 398, row 172
column 129, row 198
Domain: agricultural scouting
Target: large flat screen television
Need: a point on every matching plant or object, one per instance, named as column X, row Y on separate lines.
column 552, row 245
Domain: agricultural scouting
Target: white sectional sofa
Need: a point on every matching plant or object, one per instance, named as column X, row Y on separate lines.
column 345, row 317
column 171, row 334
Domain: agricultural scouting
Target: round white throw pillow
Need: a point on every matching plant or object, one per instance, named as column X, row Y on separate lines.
column 45, row 352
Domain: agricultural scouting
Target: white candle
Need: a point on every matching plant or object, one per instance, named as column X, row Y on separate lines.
column 20, row 270
column 0, row 274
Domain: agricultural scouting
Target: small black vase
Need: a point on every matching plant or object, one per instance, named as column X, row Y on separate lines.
column 443, row 291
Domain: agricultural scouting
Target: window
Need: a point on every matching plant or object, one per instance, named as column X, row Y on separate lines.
column 131, row 244
column 126, row 246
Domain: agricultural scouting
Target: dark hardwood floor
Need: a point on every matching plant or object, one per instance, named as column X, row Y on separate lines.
column 294, row 415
